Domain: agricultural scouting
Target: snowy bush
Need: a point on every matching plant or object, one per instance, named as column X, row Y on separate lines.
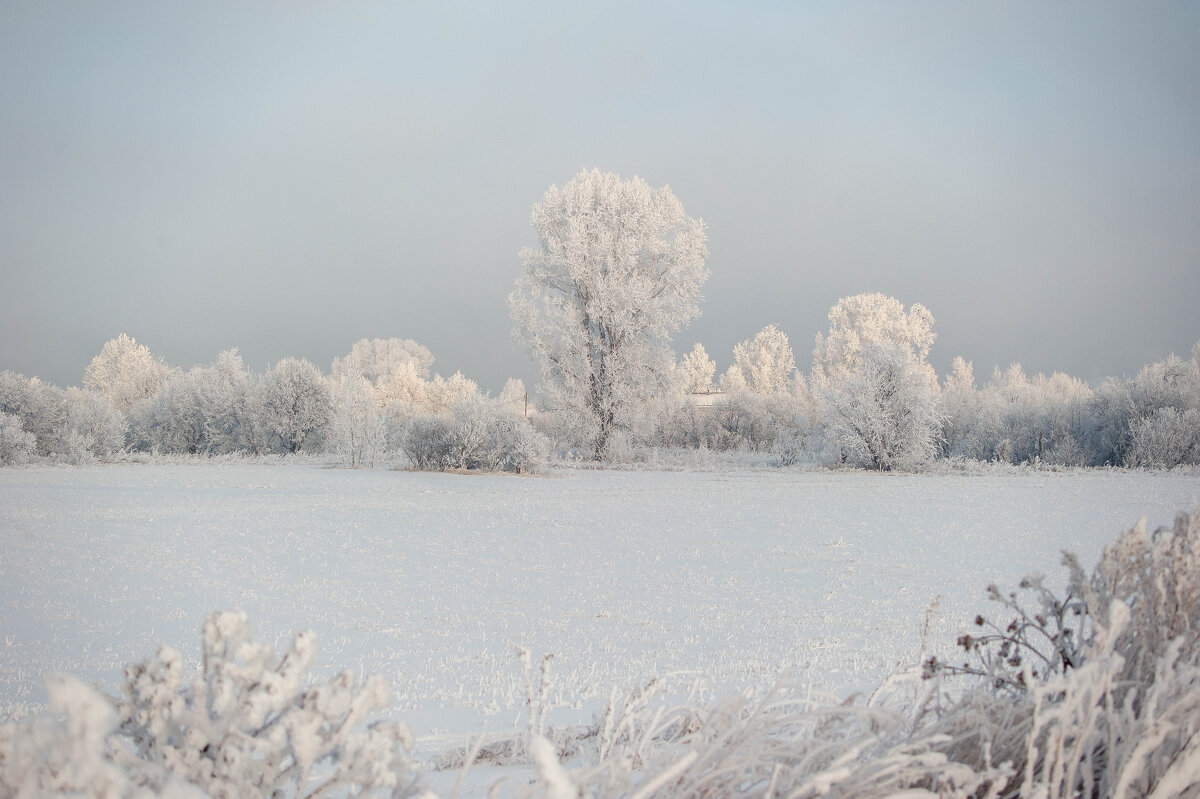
column 45, row 756
column 1167, row 438
column 41, row 407
column 1104, row 685
column 16, row 444
column 247, row 726
column 97, row 428
column 1113, row 711
column 749, row 420
column 478, row 435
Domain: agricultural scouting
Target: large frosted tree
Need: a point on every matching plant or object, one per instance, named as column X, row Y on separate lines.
column 618, row 269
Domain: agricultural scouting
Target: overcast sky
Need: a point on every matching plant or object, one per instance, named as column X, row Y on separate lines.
column 289, row 177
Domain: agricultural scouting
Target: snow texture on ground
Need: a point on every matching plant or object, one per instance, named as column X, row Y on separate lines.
column 731, row 580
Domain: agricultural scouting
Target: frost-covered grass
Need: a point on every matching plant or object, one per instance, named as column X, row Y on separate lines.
column 725, row 580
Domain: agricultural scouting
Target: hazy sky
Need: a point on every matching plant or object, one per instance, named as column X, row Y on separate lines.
column 289, row 177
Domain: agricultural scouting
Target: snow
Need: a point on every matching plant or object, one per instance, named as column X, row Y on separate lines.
column 724, row 580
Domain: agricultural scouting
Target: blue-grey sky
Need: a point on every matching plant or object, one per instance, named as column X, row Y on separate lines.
column 287, row 177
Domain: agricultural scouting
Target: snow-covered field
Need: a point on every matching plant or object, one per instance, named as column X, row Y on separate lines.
column 732, row 579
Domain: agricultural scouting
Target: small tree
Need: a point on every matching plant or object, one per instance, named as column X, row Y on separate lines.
column 763, row 364
column 618, row 269
column 358, row 433
column 295, row 401
column 697, row 370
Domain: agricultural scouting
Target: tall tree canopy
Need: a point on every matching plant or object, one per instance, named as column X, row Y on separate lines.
column 618, row 269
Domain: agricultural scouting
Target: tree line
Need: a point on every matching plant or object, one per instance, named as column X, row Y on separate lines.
column 616, row 275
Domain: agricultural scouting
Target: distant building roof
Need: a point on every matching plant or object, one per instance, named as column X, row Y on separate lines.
column 704, row 399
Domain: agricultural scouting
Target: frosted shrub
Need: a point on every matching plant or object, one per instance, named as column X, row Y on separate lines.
column 751, row 421
column 41, row 408
column 1157, row 576
column 1168, row 438
column 785, row 743
column 42, row 756
column 16, row 444
column 1098, row 696
column 97, row 428
column 1105, row 685
column 249, row 725
column 478, row 436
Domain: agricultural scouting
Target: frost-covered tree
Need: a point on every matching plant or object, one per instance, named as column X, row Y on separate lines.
column 294, row 402
column 959, row 408
column 97, row 429
column 125, row 372
column 224, row 390
column 404, row 392
column 377, row 359
column 1121, row 407
column 42, row 409
column 883, row 414
column 697, row 370
column 442, row 394
column 1020, row 419
column 203, row 411
column 876, row 389
column 398, row 371
column 358, row 433
column 16, row 444
column 171, row 421
column 1167, row 438
column 618, row 269
column 763, row 365
column 865, row 320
